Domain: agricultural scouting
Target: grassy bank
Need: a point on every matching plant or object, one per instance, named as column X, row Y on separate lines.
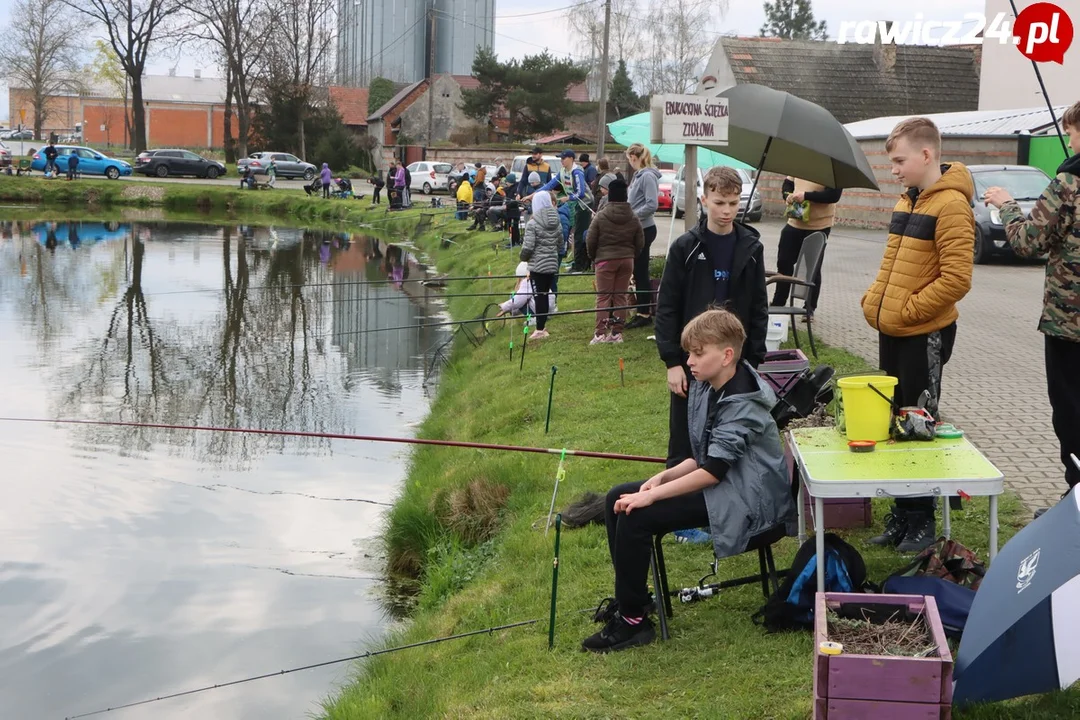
column 226, row 197
column 472, row 524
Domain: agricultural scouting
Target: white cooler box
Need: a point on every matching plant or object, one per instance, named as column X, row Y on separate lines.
column 778, row 331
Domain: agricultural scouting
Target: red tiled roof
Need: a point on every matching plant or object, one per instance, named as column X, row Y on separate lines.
column 467, row 82
column 352, row 103
column 578, row 93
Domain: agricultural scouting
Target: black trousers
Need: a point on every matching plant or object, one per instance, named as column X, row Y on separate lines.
column 678, row 429
column 642, row 281
column 787, row 255
column 630, row 540
column 916, row 362
column 582, row 218
column 541, row 283
column 375, row 196
column 1063, row 386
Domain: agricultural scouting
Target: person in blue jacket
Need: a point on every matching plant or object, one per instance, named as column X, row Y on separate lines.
column 574, row 192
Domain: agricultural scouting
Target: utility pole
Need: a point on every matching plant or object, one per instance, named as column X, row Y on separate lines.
column 431, row 77
column 602, row 135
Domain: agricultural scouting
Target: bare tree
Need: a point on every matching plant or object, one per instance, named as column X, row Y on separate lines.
column 672, row 61
column 40, row 53
column 105, row 70
column 132, row 26
column 238, row 30
column 586, row 22
column 295, row 63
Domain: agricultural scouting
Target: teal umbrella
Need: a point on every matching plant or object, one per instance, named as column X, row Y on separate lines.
column 635, row 129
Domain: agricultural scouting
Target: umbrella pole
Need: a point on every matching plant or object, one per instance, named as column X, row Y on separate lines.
column 757, row 174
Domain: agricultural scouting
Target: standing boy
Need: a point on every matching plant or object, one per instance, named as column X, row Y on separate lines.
column 912, row 303
column 1054, row 229
column 735, row 481
column 720, row 262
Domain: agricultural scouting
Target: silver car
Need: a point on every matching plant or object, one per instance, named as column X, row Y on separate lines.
column 287, row 165
column 678, row 192
column 429, row 176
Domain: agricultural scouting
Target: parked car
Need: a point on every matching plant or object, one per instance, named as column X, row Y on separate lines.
column 91, row 162
column 5, row 155
column 518, row 166
column 663, row 200
column 428, row 177
column 748, row 182
column 288, row 166
column 20, row 135
column 177, row 162
column 1024, row 182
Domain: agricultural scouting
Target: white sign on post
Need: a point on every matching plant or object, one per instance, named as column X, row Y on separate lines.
column 688, row 120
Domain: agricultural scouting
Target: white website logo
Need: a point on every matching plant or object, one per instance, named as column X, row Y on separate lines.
column 972, row 30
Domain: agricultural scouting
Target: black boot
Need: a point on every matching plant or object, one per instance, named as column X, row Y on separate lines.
column 896, row 524
column 921, row 532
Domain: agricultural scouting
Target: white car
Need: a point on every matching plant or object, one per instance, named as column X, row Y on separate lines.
column 518, row 166
column 428, row 177
column 679, row 195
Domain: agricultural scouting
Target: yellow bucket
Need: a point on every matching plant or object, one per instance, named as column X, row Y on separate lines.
column 866, row 413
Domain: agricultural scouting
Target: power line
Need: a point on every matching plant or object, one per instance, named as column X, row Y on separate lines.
column 448, row 16
column 368, row 63
column 546, row 12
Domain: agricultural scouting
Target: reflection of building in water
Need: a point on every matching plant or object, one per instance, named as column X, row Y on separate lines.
column 365, row 308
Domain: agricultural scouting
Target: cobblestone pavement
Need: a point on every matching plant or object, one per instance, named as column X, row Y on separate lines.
column 994, row 386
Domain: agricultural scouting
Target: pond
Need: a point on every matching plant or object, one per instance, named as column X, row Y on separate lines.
column 140, row 562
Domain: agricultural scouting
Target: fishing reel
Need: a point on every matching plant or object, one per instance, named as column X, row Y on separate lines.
column 694, row 594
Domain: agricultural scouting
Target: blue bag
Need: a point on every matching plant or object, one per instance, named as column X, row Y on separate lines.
column 953, row 601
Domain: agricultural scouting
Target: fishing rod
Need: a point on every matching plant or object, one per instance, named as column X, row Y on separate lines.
column 344, row 436
column 1045, row 94
column 361, row 656
column 448, row 323
column 432, row 281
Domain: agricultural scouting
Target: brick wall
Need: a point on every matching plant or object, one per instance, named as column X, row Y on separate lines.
column 873, row 209
column 63, row 112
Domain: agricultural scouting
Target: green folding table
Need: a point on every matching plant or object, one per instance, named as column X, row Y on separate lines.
column 829, row 469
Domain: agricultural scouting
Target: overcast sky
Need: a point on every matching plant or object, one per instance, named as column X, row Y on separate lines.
column 517, row 36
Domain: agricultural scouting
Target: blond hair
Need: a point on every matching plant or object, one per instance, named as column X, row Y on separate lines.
column 642, row 153
column 723, row 180
column 715, row 326
column 1071, row 117
column 920, row 131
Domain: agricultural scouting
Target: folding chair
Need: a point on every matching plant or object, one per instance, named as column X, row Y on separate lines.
column 806, row 269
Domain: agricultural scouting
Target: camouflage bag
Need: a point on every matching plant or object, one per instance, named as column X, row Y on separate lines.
column 948, row 560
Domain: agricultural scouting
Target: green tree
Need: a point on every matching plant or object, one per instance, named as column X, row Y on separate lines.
column 532, row 91
column 105, row 69
column 622, row 100
column 380, row 92
column 792, row 20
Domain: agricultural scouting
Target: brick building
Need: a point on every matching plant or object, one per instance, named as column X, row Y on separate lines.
column 180, row 112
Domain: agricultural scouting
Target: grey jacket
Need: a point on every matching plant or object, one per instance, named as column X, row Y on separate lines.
column 543, row 235
column 755, row 493
column 643, row 195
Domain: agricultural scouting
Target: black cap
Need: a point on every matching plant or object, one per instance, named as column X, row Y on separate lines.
column 584, row 157
column 617, row 191
column 478, row 164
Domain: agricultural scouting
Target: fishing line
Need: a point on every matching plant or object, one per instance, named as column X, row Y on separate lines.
column 361, row 656
column 343, row 436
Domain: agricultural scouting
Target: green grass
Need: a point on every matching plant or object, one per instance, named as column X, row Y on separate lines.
column 717, row 664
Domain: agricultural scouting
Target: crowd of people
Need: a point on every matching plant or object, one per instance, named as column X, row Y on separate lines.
column 725, row 469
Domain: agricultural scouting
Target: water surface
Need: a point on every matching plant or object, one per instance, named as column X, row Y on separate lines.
column 136, row 563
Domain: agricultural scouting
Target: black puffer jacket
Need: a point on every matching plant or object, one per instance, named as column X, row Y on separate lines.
column 687, row 289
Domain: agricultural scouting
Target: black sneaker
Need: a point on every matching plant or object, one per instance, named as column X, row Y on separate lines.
column 896, row 524
column 921, row 532
column 620, row 635
column 607, row 608
column 639, row 321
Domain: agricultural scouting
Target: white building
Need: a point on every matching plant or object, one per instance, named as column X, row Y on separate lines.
column 1007, row 78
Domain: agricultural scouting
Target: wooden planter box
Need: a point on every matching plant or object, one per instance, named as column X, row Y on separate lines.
column 878, row 687
column 840, row 513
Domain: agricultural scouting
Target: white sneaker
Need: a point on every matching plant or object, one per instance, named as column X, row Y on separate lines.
column 598, row 339
column 616, row 338
column 538, row 335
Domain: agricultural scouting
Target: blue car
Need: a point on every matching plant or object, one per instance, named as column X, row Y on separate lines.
column 91, row 162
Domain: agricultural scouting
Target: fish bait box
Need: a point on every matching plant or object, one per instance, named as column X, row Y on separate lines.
column 881, row 687
column 840, row 513
column 781, row 367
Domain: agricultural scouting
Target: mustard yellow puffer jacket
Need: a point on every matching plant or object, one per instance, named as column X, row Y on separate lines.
column 928, row 258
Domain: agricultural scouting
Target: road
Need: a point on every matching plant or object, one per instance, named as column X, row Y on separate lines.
column 994, row 386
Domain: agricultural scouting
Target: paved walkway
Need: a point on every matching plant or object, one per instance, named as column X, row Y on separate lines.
column 994, row 386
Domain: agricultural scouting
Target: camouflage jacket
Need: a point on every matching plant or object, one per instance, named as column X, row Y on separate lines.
column 1053, row 229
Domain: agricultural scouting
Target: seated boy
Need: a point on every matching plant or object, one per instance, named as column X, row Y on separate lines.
column 736, row 482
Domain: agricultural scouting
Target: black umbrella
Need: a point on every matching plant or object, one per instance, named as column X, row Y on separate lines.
column 782, row 133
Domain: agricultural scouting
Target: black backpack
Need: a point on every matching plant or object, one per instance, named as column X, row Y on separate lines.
column 792, row 606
